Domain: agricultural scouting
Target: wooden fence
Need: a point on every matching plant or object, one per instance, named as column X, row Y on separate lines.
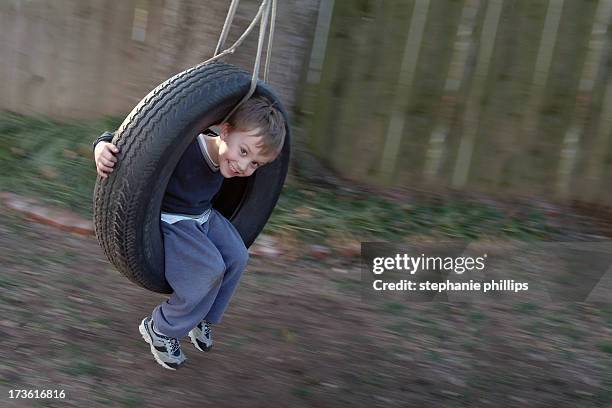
column 501, row 96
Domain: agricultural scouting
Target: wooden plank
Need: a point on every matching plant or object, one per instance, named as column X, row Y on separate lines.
column 455, row 76
column 595, row 58
column 596, row 168
column 471, row 122
column 408, row 65
column 527, row 134
column 319, row 129
column 319, row 42
column 350, row 122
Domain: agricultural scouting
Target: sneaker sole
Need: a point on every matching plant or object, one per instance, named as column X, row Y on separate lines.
column 196, row 345
column 147, row 337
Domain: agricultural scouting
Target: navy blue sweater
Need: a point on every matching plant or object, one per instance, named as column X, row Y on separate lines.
column 193, row 183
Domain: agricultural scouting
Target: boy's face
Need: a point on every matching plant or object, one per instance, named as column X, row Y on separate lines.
column 239, row 153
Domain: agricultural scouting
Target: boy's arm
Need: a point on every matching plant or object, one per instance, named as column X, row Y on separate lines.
column 104, row 154
column 104, row 137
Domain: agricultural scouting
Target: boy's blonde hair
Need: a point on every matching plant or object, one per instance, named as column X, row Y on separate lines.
column 261, row 114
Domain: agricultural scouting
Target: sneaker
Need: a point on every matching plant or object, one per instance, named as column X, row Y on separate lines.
column 201, row 336
column 166, row 350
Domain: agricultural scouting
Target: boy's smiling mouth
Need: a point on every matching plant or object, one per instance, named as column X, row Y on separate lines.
column 232, row 168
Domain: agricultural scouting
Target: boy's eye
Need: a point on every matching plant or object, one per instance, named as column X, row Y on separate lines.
column 243, row 152
column 255, row 164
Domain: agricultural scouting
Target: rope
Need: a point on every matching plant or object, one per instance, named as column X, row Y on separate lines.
column 270, row 39
column 240, row 40
column 226, row 26
column 266, row 8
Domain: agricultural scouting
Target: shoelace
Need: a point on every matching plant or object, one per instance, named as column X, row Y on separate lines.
column 174, row 345
column 206, row 329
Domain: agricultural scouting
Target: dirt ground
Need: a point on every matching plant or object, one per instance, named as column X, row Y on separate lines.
column 296, row 334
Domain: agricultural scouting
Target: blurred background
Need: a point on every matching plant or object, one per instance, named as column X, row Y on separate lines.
column 415, row 120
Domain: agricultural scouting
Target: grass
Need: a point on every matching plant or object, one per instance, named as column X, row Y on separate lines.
column 132, row 399
column 606, row 346
column 84, row 367
column 8, row 283
column 53, row 161
column 393, row 308
column 237, row 342
column 604, row 393
column 400, row 329
column 525, row 308
column 373, row 218
column 476, row 317
column 301, row 392
column 50, row 160
column 348, row 285
column 571, row 331
column 606, row 314
column 317, row 214
column 434, row 356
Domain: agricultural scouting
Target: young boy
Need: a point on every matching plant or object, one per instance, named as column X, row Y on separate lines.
column 204, row 254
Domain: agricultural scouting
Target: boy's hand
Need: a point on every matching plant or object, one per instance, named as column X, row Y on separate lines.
column 104, row 156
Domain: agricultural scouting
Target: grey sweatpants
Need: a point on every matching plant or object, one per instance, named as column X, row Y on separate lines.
column 204, row 263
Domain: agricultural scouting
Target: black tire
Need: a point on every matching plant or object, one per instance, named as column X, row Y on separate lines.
column 151, row 140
